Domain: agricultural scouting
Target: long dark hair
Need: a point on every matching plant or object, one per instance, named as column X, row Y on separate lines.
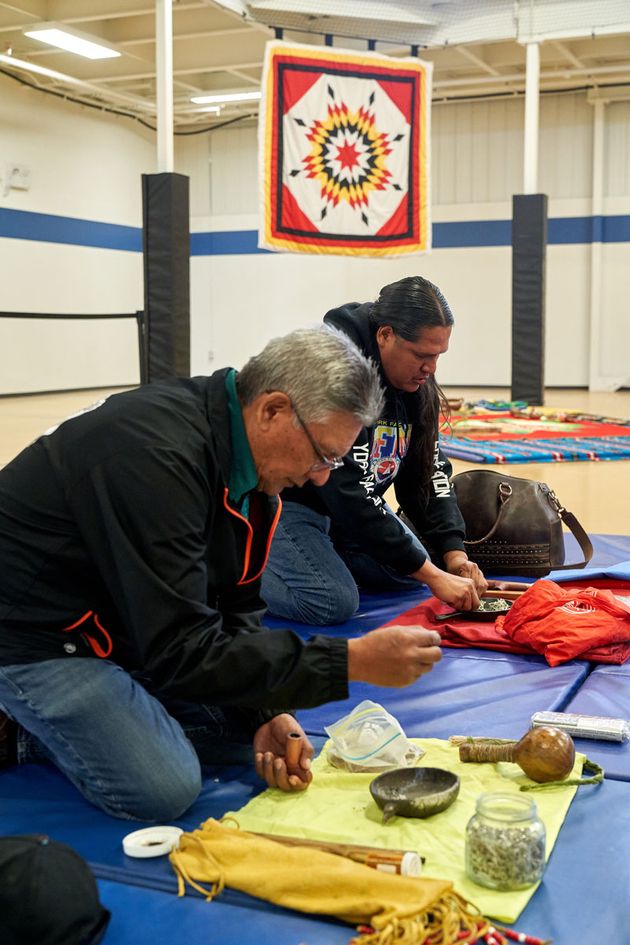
column 409, row 306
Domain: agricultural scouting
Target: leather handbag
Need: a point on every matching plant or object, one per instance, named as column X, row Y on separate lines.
column 514, row 526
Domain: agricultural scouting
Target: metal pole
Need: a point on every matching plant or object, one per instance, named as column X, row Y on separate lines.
column 530, row 157
column 164, row 83
column 597, row 208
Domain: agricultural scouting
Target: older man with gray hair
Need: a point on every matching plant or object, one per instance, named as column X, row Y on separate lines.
column 132, row 540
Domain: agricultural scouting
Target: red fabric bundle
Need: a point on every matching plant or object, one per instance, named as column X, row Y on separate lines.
column 564, row 623
column 544, row 620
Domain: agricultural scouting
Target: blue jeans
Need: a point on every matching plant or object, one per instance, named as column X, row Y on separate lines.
column 312, row 577
column 116, row 742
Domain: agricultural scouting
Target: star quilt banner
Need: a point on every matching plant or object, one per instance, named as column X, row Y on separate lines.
column 344, row 152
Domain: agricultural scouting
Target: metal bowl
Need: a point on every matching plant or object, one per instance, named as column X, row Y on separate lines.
column 414, row 792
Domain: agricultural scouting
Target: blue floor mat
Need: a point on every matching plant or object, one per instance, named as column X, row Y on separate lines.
column 582, row 898
column 606, row 692
column 469, row 692
column 586, row 886
column 142, row 916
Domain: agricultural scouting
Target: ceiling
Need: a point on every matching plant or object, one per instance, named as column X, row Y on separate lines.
column 477, row 46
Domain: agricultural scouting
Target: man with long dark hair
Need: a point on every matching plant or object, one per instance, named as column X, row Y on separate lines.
column 332, row 539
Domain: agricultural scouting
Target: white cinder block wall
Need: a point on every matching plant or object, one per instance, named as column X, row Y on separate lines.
column 85, row 170
column 87, row 167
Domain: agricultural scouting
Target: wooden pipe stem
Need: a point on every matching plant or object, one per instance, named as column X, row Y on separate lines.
column 293, row 752
column 506, row 595
column 509, row 585
column 372, row 856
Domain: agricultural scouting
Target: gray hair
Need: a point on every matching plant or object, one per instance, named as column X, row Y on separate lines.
column 321, row 370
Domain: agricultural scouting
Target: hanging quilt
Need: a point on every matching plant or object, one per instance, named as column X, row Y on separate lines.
column 344, row 152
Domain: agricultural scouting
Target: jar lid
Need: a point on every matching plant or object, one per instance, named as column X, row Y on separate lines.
column 507, row 807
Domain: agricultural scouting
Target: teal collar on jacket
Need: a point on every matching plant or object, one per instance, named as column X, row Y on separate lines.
column 243, row 477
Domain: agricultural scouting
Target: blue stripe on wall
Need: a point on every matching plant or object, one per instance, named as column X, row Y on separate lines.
column 47, row 228
column 561, row 230
column 616, row 229
column 472, row 233
column 225, row 243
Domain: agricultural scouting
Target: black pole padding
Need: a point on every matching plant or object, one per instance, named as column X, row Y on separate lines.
column 529, row 249
column 142, row 345
column 166, row 248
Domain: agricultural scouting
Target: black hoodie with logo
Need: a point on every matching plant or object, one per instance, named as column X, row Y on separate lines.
column 381, row 456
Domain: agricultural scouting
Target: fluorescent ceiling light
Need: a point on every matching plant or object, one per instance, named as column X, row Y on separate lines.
column 71, row 42
column 211, row 109
column 224, row 99
column 40, row 70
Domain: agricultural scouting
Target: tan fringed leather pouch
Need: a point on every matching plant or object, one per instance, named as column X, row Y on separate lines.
column 387, row 908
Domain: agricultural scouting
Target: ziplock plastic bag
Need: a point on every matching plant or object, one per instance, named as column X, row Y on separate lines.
column 370, row 739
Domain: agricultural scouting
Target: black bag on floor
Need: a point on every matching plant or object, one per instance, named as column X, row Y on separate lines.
column 514, row 526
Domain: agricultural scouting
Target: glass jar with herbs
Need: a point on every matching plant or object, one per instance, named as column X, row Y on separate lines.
column 505, row 842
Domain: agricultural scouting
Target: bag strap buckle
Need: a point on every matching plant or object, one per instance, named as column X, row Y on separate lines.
column 555, row 503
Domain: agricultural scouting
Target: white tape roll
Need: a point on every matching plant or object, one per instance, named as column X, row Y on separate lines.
column 151, row 841
column 411, row 864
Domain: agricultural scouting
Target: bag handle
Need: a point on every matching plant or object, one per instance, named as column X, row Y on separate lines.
column 569, row 519
column 574, row 526
column 583, row 540
column 505, row 492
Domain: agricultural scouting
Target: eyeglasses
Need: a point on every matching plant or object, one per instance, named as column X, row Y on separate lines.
column 334, row 462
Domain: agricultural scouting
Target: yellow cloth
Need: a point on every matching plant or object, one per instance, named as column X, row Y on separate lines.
column 339, row 807
column 401, row 910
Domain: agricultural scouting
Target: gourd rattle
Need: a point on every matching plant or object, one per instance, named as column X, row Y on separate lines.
column 544, row 754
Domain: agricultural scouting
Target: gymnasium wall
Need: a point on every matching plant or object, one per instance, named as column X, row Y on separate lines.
column 71, row 243
column 477, row 164
column 87, row 167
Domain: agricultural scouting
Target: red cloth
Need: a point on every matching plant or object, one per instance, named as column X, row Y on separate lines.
column 564, row 623
column 582, row 619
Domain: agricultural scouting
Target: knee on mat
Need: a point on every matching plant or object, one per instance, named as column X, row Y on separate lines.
column 164, row 796
column 331, row 607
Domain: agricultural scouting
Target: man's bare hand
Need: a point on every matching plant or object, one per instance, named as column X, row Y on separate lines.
column 393, row 656
column 270, row 743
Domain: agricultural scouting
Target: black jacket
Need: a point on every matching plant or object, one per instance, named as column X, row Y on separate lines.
column 381, row 455
column 117, row 540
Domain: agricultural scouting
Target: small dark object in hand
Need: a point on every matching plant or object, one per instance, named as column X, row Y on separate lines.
column 414, row 792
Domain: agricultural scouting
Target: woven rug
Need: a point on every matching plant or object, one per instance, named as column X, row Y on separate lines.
column 487, row 432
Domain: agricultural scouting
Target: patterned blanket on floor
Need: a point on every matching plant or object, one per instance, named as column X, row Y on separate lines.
column 488, row 433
